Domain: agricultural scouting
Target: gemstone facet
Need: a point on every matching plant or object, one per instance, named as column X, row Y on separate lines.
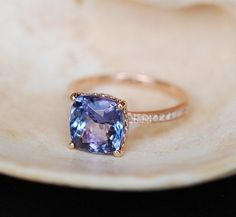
column 97, row 124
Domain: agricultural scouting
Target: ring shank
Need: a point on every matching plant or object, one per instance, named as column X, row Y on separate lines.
column 162, row 115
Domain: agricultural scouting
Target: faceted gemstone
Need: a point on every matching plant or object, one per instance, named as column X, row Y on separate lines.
column 97, row 124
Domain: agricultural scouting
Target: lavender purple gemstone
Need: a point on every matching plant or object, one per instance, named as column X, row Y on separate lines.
column 97, row 124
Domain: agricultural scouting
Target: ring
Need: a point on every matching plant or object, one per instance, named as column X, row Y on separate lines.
column 99, row 122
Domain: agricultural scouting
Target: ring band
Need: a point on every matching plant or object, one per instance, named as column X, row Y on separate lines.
column 90, row 127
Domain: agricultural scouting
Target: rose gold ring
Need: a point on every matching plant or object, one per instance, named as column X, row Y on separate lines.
column 99, row 122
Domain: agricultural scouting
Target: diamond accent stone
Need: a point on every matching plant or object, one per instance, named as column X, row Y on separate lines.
column 162, row 117
column 168, row 116
column 155, row 118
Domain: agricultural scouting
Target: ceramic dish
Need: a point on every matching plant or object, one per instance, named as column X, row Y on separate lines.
column 43, row 50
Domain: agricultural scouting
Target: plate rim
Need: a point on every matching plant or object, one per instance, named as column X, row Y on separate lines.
column 125, row 183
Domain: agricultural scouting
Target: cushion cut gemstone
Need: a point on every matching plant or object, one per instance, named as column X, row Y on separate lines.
column 97, row 124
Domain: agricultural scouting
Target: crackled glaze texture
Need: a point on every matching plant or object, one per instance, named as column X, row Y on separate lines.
column 43, row 50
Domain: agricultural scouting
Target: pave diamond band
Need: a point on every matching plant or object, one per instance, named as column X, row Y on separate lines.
column 153, row 118
column 99, row 122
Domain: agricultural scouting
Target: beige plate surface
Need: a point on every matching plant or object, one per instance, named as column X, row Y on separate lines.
column 43, row 50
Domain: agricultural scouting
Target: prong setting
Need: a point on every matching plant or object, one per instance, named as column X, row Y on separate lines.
column 71, row 145
column 118, row 153
column 122, row 104
column 73, row 96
